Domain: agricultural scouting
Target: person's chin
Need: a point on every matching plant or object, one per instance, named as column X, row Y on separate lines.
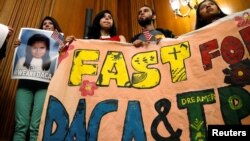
column 49, row 29
column 142, row 19
column 107, row 27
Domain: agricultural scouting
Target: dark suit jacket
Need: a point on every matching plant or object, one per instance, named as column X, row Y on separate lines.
column 3, row 50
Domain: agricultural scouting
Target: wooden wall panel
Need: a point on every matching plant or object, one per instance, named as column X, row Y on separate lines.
column 5, row 7
column 71, row 15
column 124, row 19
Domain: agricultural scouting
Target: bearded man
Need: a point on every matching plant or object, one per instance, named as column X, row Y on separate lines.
column 146, row 19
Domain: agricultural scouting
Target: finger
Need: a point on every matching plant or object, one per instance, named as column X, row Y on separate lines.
column 10, row 29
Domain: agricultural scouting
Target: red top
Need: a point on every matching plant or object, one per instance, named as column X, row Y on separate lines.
column 113, row 38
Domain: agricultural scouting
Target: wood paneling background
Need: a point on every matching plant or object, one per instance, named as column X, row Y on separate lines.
column 15, row 13
column 70, row 15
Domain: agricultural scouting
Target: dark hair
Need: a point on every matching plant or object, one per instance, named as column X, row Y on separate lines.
column 95, row 28
column 46, row 58
column 201, row 22
column 153, row 11
column 56, row 25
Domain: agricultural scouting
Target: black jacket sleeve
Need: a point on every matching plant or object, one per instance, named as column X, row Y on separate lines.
column 3, row 50
column 167, row 33
column 134, row 38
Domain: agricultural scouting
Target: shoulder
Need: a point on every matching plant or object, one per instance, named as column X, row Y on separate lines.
column 166, row 32
column 122, row 38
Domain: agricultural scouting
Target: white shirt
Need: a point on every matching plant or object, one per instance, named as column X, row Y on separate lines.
column 35, row 64
column 4, row 30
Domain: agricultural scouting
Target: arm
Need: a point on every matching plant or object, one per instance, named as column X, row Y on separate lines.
column 70, row 39
column 136, row 42
column 122, row 39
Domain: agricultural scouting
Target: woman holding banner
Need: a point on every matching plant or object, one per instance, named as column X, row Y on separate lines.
column 31, row 94
column 103, row 28
column 207, row 12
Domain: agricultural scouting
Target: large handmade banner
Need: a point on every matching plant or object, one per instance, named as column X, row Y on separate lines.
column 110, row 91
column 37, row 56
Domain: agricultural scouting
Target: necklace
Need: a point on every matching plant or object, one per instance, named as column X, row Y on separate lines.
column 105, row 36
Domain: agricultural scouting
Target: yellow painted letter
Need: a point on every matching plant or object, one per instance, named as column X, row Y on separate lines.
column 175, row 55
column 114, row 67
column 79, row 68
column 147, row 77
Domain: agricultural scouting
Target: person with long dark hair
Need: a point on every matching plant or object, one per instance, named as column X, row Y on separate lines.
column 207, row 12
column 30, row 94
column 49, row 23
column 102, row 28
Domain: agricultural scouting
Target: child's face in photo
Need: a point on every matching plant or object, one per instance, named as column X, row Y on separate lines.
column 38, row 49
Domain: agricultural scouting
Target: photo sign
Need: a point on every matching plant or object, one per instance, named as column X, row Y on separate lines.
column 36, row 58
